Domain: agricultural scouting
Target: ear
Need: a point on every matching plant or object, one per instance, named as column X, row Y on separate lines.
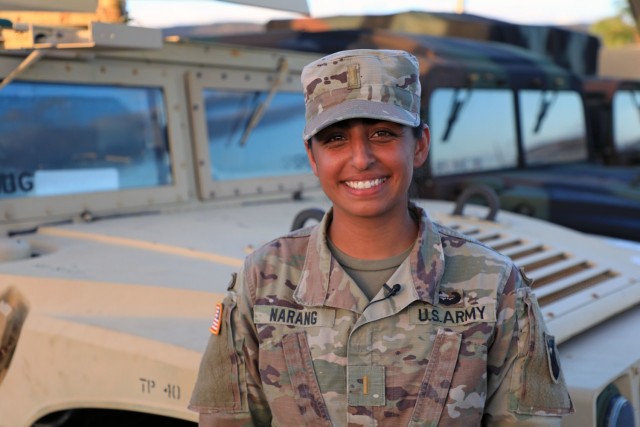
column 311, row 157
column 422, row 148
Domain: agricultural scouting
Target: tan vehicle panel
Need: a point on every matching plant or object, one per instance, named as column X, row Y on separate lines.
column 124, row 308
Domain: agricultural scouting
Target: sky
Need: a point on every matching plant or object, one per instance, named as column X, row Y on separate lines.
column 167, row 13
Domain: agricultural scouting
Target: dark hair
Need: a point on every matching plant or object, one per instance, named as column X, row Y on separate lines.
column 417, row 130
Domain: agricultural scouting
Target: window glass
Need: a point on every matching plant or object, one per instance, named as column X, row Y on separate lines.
column 63, row 139
column 472, row 130
column 553, row 126
column 274, row 147
column 626, row 120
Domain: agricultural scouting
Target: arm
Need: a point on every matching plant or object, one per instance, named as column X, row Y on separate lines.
column 228, row 390
column 525, row 382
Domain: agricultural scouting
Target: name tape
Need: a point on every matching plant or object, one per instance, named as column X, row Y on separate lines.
column 294, row 317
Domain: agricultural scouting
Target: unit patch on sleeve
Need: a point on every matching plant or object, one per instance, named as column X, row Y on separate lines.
column 306, row 317
column 552, row 357
column 452, row 316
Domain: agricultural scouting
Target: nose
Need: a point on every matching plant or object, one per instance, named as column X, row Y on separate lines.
column 361, row 151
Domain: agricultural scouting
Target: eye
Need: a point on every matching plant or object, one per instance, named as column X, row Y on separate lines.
column 331, row 138
column 384, row 135
column 336, row 137
column 383, row 131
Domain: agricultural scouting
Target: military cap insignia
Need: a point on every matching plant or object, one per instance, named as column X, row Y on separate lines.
column 217, row 320
column 353, row 76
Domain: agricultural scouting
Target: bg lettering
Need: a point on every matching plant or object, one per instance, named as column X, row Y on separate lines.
column 12, row 183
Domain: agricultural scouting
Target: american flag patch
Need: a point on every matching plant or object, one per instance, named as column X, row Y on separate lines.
column 217, row 320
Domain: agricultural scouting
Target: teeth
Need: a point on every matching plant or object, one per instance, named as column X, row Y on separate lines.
column 361, row 185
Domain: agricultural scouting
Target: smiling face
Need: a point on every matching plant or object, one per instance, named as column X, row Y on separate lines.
column 365, row 166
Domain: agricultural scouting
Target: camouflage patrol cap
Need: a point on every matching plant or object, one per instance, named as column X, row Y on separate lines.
column 361, row 83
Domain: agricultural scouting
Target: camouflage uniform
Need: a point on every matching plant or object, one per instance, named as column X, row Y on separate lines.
column 462, row 343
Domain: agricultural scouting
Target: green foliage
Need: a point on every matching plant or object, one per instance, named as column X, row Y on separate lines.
column 615, row 31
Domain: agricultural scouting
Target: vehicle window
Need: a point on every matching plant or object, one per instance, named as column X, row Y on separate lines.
column 274, row 146
column 472, row 130
column 553, row 126
column 60, row 139
column 626, row 120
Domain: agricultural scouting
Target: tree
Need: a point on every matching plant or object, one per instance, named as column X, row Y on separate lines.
column 618, row 30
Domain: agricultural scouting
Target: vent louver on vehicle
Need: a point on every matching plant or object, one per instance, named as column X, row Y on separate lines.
column 567, row 286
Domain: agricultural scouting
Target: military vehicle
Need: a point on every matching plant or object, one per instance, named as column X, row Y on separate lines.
column 136, row 175
column 576, row 51
column 501, row 116
column 610, row 77
column 613, row 108
column 613, row 101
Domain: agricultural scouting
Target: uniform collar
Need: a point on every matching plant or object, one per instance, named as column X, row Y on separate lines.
column 323, row 282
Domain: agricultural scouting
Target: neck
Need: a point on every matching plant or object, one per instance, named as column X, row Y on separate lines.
column 373, row 238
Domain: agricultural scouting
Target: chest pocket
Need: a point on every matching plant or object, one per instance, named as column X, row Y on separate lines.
column 437, row 379
column 303, row 380
column 286, row 367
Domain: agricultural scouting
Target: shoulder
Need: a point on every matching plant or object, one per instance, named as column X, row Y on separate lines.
column 455, row 243
column 282, row 248
column 472, row 264
column 274, row 269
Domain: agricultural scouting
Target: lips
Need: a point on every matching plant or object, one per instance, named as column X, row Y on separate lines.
column 365, row 184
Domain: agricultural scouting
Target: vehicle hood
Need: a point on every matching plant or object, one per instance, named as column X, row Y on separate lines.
column 156, row 276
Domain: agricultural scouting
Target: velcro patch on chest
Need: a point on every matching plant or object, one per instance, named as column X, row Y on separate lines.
column 309, row 317
column 452, row 316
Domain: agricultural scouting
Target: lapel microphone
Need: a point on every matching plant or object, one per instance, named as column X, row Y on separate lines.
column 392, row 291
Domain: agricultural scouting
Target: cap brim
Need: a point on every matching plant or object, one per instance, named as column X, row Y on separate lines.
column 359, row 108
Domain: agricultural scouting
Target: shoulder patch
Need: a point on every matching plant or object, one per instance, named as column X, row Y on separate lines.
column 217, row 320
column 552, row 357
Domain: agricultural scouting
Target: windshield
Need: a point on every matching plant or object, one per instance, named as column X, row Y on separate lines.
column 64, row 139
column 273, row 148
column 472, row 130
column 626, row 120
column 553, row 126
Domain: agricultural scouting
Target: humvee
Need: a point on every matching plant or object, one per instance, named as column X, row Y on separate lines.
column 501, row 116
column 576, row 51
column 613, row 107
column 613, row 101
column 136, row 175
